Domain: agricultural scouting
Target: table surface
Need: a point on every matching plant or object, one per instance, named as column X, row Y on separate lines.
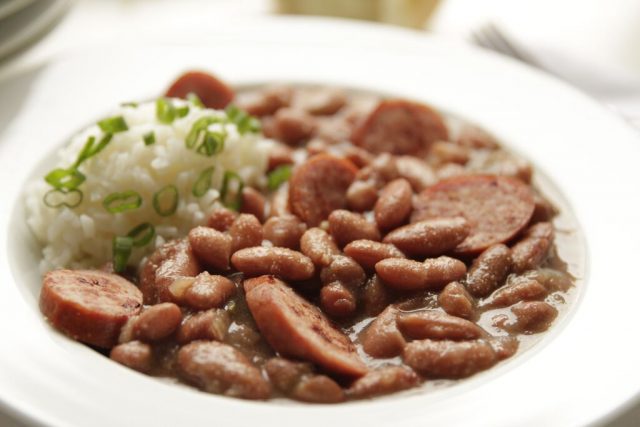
column 92, row 23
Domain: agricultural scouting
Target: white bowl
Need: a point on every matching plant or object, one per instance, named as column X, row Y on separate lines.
column 583, row 369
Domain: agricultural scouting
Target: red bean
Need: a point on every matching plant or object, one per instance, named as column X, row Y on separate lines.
column 448, row 152
column 456, row 301
column 135, row 355
column 489, row 270
column 435, row 325
column 386, row 380
column 293, row 126
column 418, row 173
column 208, row 291
column 245, row 232
column 521, row 289
column 544, row 209
column 449, row 359
column 210, row 246
column 382, row 338
column 409, row 275
column 212, row 92
column 337, row 300
column 266, row 102
column 368, row 253
column 344, row 270
column 474, row 137
column 504, row 347
column 533, row 248
column 279, row 155
column 221, row 219
column 361, row 195
column 346, row 226
column 157, row 322
column 374, row 296
column 253, row 203
column 319, row 246
column 285, row 374
column 394, row 204
column 281, row 262
column 429, row 237
column 532, row 317
column 317, row 389
column 284, row 231
column 210, row 325
column 321, row 102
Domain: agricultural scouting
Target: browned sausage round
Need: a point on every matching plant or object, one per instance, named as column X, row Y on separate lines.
column 319, row 186
column 89, row 306
column 212, row 92
column 496, row 207
column 295, row 328
column 400, row 127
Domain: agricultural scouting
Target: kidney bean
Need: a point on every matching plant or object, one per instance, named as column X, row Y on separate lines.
column 293, row 126
column 409, row 275
column 220, row 368
column 429, row 237
column 344, row 270
column 386, row 380
column 448, row 152
column 210, row 325
column 382, row 338
column 374, row 296
column 319, row 246
column 135, row 355
column 253, row 203
column 245, row 232
column 337, row 300
column 418, row 173
column 456, row 301
column 317, row 389
column 361, row 195
column 451, row 170
column 346, row 226
column 533, row 248
column 355, row 155
column 506, row 164
column 552, row 280
column 543, row 210
column 489, row 270
column 207, row 291
column 285, row 374
column 474, row 137
column 279, row 155
column 210, row 246
column 384, row 168
column 221, row 218
column 504, row 347
column 532, row 317
column 321, row 102
column 266, row 102
column 368, row 253
column 157, row 322
column 394, row 204
column 281, row 262
column 284, row 231
column 435, row 325
column 521, row 289
column 449, row 359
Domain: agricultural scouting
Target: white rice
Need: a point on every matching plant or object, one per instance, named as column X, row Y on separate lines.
column 82, row 236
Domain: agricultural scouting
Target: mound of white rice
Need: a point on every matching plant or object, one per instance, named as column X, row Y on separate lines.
column 82, row 236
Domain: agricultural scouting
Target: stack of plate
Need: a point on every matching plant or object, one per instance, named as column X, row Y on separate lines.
column 23, row 21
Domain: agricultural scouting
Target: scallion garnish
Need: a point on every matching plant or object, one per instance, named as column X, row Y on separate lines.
column 195, row 100
column 68, row 179
column 149, row 138
column 243, row 121
column 165, row 111
column 89, row 150
column 130, row 104
column 113, row 125
column 278, row 176
column 203, row 183
column 197, row 129
column 122, row 202
column 234, row 202
column 142, row 234
column 165, row 201
column 212, row 143
column 182, row 111
column 59, row 197
column 122, row 247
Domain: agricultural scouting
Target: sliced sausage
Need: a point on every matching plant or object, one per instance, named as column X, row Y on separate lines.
column 382, row 338
column 295, row 328
column 496, row 207
column 400, row 127
column 212, row 92
column 157, row 322
column 456, row 301
column 394, row 204
column 220, row 368
column 346, row 226
column 489, row 270
column 430, row 237
column 89, row 306
column 319, row 246
column 135, row 355
column 245, row 232
column 408, row 275
column 533, row 248
column 368, row 253
column 210, row 325
column 449, row 359
column 435, row 325
column 284, row 231
column 211, row 247
column 319, row 186
column 386, row 380
column 281, row 262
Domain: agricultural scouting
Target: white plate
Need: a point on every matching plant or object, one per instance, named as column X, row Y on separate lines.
column 584, row 368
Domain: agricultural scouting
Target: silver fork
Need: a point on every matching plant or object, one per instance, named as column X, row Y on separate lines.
column 489, row 36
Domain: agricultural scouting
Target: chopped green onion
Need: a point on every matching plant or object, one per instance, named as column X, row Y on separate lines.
column 213, row 143
column 243, row 121
column 278, row 176
column 68, row 179
column 60, row 197
column 149, row 138
column 89, row 150
column 130, row 104
column 165, row 201
column 195, row 100
column 203, row 183
column 142, row 234
column 122, row 202
column 113, row 125
column 122, row 247
column 236, row 202
column 198, row 128
column 182, row 111
column 165, row 111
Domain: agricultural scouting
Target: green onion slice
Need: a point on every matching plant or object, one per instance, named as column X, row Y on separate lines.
column 165, row 201
column 121, row 202
column 278, row 176
column 231, row 201
column 195, row 100
column 165, row 111
column 130, row 104
column 113, row 125
column 142, row 234
column 212, row 143
column 182, row 111
column 67, row 179
column 203, row 183
column 57, row 198
column 89, row 150
column 149, row 138
column 122, row 247
column 243, row 121
column 198, row 129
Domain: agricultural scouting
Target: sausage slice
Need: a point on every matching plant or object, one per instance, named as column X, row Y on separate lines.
column 400, row 127
column 89, row 306
column 212, row 92
column 496, row 207
column 295, row 328
column 319, row 186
